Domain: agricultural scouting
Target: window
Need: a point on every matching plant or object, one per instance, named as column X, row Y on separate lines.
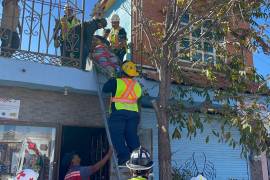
column 26, row 147
column 203, row 49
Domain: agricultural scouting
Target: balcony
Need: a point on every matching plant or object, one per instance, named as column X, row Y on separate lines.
column 33, row 60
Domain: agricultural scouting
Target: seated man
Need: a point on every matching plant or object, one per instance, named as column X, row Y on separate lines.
column 76, row 171
column 104, row 57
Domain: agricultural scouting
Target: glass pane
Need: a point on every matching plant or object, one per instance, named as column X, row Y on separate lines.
column 196, row 32
column 198, row 45
column 184, row 43
column 209, row 58
column 197, row 57
column 28, row 149
column 185, row 18
column 207, row 23
column 208, row 47
column 208, row 35
column 219, row 36
column 184, row 56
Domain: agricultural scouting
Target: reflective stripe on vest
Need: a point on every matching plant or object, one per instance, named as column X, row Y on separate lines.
column 66, row 25
column 127, row 93
column 75, row 175
column 113, row 37
column 138, row 178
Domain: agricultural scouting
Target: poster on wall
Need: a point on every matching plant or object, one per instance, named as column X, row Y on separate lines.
column 9, row 108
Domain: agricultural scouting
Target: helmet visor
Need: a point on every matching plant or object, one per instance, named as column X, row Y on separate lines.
column 139, row 164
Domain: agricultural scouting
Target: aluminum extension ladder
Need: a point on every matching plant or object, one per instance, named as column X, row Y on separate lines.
column 104, row 117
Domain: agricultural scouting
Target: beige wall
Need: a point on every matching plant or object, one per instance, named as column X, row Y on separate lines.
column 54, row 107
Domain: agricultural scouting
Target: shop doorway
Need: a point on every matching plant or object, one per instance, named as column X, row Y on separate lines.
column 90, row 143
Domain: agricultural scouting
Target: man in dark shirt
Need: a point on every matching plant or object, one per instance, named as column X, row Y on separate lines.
column 78, row 172
column 89, row 31
column 124, row 117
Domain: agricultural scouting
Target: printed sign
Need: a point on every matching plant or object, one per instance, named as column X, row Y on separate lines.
column 9, row 108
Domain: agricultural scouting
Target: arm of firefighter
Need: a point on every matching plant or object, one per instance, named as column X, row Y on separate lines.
column 101, row 163
column 109, row 86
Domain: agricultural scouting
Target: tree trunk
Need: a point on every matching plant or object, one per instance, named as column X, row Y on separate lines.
column 164, row 148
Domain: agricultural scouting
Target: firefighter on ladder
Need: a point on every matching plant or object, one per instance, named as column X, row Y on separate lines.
column 124, row 118
column 140, row 164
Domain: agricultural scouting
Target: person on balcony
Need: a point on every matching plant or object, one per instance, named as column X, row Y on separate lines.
column 118, row 38
column 103, row 56
column 66, row 23
column 106, row 34
column 124, row 118
column 89, row 30
column 9, row 25
column 75, row 171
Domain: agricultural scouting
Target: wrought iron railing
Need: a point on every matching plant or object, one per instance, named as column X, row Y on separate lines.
column 38, row 40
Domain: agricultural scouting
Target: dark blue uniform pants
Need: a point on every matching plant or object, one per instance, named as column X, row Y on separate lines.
column 123, row 127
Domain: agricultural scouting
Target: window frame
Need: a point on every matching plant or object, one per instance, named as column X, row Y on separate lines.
column 201, row 51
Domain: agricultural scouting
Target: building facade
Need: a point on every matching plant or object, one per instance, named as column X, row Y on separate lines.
column 48, row 110
column 223, row 161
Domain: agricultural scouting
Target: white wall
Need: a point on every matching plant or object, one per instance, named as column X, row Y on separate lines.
column 43, row 76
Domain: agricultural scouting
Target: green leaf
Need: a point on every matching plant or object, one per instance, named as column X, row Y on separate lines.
column 176, row 134
column 228, row 135
column 215, row 133
column 207, row 139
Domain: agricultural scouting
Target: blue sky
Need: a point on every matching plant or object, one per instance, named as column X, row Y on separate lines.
column 261, row 60
column 262, row 64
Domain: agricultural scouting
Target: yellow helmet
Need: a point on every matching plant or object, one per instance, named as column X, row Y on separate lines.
column 130, row 69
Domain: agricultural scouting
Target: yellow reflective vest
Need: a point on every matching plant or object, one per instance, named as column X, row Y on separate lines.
column 138, row 178
column 128, row 91
column 67, row 25
column 114, row 38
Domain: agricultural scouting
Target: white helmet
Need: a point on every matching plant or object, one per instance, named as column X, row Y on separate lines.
column 68, row 7
column 115, row 18
column 27, row 174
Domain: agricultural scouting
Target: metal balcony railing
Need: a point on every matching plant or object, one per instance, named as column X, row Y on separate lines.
column 36, row 38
